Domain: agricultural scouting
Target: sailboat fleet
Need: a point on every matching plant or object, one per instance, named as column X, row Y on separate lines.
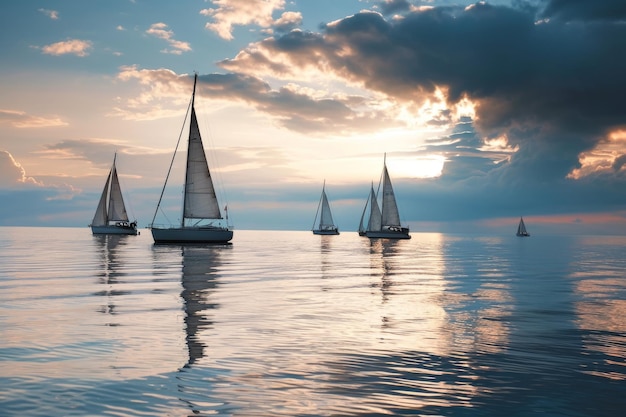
column 202, row 220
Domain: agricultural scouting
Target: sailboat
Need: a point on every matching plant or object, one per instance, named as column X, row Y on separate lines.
column 200, row 209
column 521, row 229
column 111, row 217
column 326, row 225
column 384, row 220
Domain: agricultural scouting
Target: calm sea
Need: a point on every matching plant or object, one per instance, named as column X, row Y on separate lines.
column 292, row 324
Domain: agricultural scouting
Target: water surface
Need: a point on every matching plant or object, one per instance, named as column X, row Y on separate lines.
column 292, row 324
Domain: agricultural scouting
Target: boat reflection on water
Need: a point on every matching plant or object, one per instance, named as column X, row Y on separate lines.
column 199, row 281
column 110, row 269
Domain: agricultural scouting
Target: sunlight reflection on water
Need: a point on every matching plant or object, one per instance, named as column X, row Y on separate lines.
column 287, row 323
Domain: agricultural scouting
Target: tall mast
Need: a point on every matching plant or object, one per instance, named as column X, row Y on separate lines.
column 193, row 95
column 193, row 114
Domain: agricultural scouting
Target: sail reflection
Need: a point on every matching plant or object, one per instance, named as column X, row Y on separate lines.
column 111, row 268
column 199, row 281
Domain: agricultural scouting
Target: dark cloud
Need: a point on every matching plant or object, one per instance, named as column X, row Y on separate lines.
column 295, row 110
column 553, row 88
column 586, row 10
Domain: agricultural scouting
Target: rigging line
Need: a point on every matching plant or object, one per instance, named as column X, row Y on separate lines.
column 180, row 135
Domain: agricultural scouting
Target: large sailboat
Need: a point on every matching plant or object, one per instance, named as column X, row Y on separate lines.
column 326, row 225
column 521, row 229
column 384, row 220
column 111, row 217
column 202, row 220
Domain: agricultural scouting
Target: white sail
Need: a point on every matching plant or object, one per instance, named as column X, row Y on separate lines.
column 375, row 222
column 390, row 215
column 326, row 217
column 117, row 209
column 200, row 199
column 100, row 218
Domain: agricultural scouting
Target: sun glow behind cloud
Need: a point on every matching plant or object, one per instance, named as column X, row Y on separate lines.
column 608, row 156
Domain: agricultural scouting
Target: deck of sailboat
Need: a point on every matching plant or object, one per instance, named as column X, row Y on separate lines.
column 207, row 234
column 326, row 232
column 122, row 229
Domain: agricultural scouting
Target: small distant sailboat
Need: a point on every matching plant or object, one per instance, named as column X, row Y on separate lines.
column 521, row 229
column 326, row 225
column 383, row 222
column 200, row 206
column 111, row 217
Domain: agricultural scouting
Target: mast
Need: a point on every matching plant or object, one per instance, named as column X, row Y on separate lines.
column 193, row 111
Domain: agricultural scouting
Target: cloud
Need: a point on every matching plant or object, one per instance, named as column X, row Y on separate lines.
column 229, row 13
column 293, row 107
column 71, row 46
column 12, row 174
column 52, row 14
column 20, row 119
column 583, row 10
column 545, row 88
column 546, row 85
column 160, row 30
column 394, row 6
column 287, row 21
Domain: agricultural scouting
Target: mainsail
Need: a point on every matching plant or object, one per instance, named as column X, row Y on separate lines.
column 326, row 218
column 375, row 222
column 200, row 199
column 390, row 215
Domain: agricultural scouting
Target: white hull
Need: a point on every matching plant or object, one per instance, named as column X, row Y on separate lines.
column 326, row 232
column 192, row 235
column 388, row 234
column 114, row 230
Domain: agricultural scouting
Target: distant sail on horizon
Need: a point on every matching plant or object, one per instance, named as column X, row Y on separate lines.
column 521, row 229
column 326, row 225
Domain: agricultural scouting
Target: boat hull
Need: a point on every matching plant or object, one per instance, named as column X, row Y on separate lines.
column 115, row 229
column 397, row 233
column 192, row 235
column 523, row 234
column 326, row 232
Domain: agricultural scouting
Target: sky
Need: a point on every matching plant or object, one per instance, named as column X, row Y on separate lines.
column 486, row 111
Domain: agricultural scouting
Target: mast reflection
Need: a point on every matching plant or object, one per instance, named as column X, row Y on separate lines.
column 111, row 268
column 199, row 281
